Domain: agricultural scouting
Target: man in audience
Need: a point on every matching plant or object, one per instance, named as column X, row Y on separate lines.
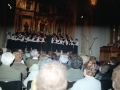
column 51, row 76
column 18, row 65
column 89, row 82
column 116, row 78
column 34, row 54
column 76, row 63
column 6, row 72
column 1, row 52
column 33, row 74
column 102, row 74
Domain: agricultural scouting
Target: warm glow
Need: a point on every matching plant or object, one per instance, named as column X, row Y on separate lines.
column 93, row 2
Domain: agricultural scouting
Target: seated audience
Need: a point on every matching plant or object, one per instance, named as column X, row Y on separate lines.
column 1, row 52
column 112, row 64
column 102, row 74
column 64, row 60
column 54, row 57
column 76, row 63
column 34, row 72
column 8, row 73
column 89, row 82
column 34, row 54
column 116, row 78
column 18, row 65
column 85, row 59
column 51, row 76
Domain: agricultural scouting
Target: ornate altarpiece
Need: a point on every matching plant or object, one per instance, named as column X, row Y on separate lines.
column 38, row 18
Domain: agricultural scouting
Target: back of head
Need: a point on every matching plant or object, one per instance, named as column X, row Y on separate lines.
column 43, row 61
column 104, row 68
column 1, row 51
column 85, row 59
column 18, row 56
column 52, row 76
column 116, row 78
column 76, row 62
column 7, row 58
column 113, row 60
column 63, row 58
column 90, row 68
column 34, row 53
column 54, row 56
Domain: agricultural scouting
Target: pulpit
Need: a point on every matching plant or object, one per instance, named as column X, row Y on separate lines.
column 108, row 51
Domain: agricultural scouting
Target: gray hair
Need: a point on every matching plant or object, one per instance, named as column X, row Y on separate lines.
column 7, row 58
column 76, row 62
column 52, row 76
column 44, row 61
column 34, row 53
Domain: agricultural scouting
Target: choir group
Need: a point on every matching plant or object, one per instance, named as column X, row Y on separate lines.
column 42, row 42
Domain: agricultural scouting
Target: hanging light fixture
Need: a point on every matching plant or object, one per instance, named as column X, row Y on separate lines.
column 93, row 2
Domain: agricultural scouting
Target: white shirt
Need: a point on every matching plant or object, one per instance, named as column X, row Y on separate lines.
column 31, row 76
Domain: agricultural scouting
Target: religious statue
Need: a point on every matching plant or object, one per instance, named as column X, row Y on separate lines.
column 42, row 26
column 59, row 29
column 26, row 26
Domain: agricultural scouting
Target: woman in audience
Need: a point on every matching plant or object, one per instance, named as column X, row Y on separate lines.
column 1, row 52
column 18, row 65
column 102, row 74
column 64, row 60
column 116, row 78
column 112, row 64
column 76, row 63
column 89, row 82
column 42, row 61
column 51, row 76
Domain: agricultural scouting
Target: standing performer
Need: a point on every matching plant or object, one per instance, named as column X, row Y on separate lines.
column 76, row 43
column 8, row 44
column 29, row 42
column 48, row 43
column 58, row 43
column 53, row 41
column 44, row 44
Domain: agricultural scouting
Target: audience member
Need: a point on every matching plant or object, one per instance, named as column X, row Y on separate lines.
column 89, row 82
column 1, row 52
column 34, row 55
column 18, row 65
column 85, row 59
column 54, row 57
column 116, row 78
column 102, row 74
column 33, row 73
column 8, row 73
column 64, row 60
column 76, row 63
column 52, row 76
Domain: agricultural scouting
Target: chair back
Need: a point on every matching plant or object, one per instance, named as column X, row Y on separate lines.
column 70, row 84
column 106, row 84
column 11, row 85
column 29, row 85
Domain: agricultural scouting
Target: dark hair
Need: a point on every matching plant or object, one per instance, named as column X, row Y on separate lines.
column 76, row 62
column 113, row 60
column 104, row 68
column 1, row 51
column 54, row 56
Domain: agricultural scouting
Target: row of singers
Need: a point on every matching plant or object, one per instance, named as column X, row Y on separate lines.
column 42, row 44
